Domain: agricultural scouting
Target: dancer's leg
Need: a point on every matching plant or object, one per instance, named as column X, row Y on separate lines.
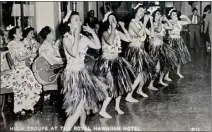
column 72, row 119
column 140, row 89
column 129, row 97
column 151, row 87
column 161, row 79
column 82, row 121
column 167, row 77
column 117, row 107
column 178, row 71
column 103, row 112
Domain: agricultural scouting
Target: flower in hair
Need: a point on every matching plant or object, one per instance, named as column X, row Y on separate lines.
column 153, row 9
column 9, row 27
column 171, row 11
column 139, row 4
column 27, row 27
column 106, row 16
column 67, row 16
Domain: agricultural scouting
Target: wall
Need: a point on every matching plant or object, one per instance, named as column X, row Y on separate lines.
column 205, row 3
column 46, row 14
column 92, row 6
column 80, row 9
column 177, row 5
column 100, row 15
column 187, row 10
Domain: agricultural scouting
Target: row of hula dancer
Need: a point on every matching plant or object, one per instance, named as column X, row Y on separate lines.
column 113, row 75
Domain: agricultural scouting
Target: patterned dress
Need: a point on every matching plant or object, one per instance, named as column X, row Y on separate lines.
column 116, row 71
column 31, row 48
column 25, row 87
column 79, row 83
column 177, row 42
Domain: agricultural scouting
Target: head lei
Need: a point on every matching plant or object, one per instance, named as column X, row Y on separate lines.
column 27, row 27
column 8, row 28
column 106, row 16
column 169, row 14
column 152, row 9
column 139, row 4
column 67, row 16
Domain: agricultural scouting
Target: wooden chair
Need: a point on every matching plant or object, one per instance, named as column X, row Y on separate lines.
column 3, row 93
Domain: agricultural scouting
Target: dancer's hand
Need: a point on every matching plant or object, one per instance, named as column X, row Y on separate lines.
column 146, row 18
column 33, row 55
column 183, row 16
column 165, row 18
column 113, row 24
column 121, row 24
column 88, row 29
column 151, row 18
column 78, row 29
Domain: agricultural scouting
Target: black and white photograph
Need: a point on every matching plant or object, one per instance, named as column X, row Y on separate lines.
column 75, row 66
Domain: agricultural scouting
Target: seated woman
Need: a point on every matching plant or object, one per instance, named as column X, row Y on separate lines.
column 49, row 49
column 30, row 43
column 21, row 79
column 4, row 51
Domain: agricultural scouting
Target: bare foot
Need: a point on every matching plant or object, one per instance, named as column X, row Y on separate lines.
column 105, row 114
column 168, row 79
column 152, row 88
column 142, row 94
column 131, row 99
column 180, row 75
column 119, row 111
column 162, row 83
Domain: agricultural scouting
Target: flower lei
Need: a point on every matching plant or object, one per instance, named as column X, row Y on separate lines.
column 139, row 25
column 115, row 47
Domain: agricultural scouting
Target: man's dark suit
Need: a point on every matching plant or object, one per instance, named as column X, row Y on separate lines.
column 194, row 31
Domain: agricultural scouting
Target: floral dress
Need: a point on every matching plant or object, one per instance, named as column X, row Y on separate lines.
column 21, row 79
column 31, row 48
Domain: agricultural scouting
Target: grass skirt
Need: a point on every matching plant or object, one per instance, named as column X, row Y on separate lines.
column 140, row 61
column 182, row 50
column 118, row 75
column 81, row 85
column 166, row 55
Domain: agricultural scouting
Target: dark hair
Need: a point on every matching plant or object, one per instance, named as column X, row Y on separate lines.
column 73, row 13
column 194, row 9
column 1, row 33
column 207, row 8
column 154, row 14
column 178, row 14
column 106, row 24
column 12, row 32
column 64, row 28
column 190, row 3
column 134, row 11
column 128, row 17
column 44, row 32
column 26, row 31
